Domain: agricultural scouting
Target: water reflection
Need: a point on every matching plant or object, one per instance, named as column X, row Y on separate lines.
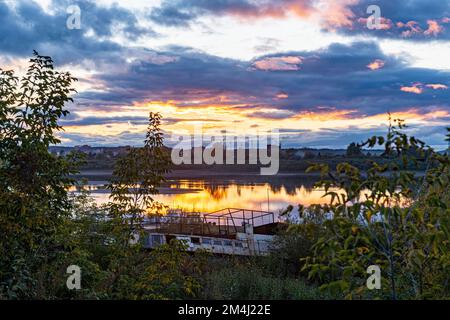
column 208, row 196
column 257, row 197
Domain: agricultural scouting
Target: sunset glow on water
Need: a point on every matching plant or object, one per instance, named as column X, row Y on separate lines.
column 206, row 196
column 203, row 196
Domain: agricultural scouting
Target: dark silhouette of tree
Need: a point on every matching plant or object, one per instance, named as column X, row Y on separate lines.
column 354, row 150
column 33, row 182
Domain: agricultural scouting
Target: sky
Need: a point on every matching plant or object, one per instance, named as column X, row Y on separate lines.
column 313, row 69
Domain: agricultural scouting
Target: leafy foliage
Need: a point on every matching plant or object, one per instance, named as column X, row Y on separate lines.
column 136, row 178
column 387, row 216
column 43, row 229
column 33, row 183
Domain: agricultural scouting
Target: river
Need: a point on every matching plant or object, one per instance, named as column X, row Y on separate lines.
column 215, row 193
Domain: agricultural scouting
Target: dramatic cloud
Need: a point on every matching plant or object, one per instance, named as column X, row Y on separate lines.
column 26, row 26
column 337, row 77
column 167, row 56
column 414, row 19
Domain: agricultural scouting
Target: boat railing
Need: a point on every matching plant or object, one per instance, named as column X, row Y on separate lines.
column 225, row 222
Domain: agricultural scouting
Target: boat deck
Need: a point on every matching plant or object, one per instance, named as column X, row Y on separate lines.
column 228, row 231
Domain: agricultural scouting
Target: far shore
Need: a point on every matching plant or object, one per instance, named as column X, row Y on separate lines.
column 198, row 173
column 205, row 174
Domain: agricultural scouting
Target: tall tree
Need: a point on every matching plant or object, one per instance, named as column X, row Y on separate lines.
column 138, row 175
column 33, row 182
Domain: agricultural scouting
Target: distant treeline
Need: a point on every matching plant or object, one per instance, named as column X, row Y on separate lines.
column 292, row 160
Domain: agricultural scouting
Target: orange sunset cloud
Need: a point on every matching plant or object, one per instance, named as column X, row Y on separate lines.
column 437, row 86
column 376, row 64
column 416, row 88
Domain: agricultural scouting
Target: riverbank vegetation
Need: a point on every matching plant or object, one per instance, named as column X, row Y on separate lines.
column 401, row 225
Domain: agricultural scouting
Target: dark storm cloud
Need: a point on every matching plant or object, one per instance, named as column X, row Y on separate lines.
column 413, row 19
column 75, row 119
column 336, row 78
column 26, row 26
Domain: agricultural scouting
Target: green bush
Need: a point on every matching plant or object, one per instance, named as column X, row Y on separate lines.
column 247, row 283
